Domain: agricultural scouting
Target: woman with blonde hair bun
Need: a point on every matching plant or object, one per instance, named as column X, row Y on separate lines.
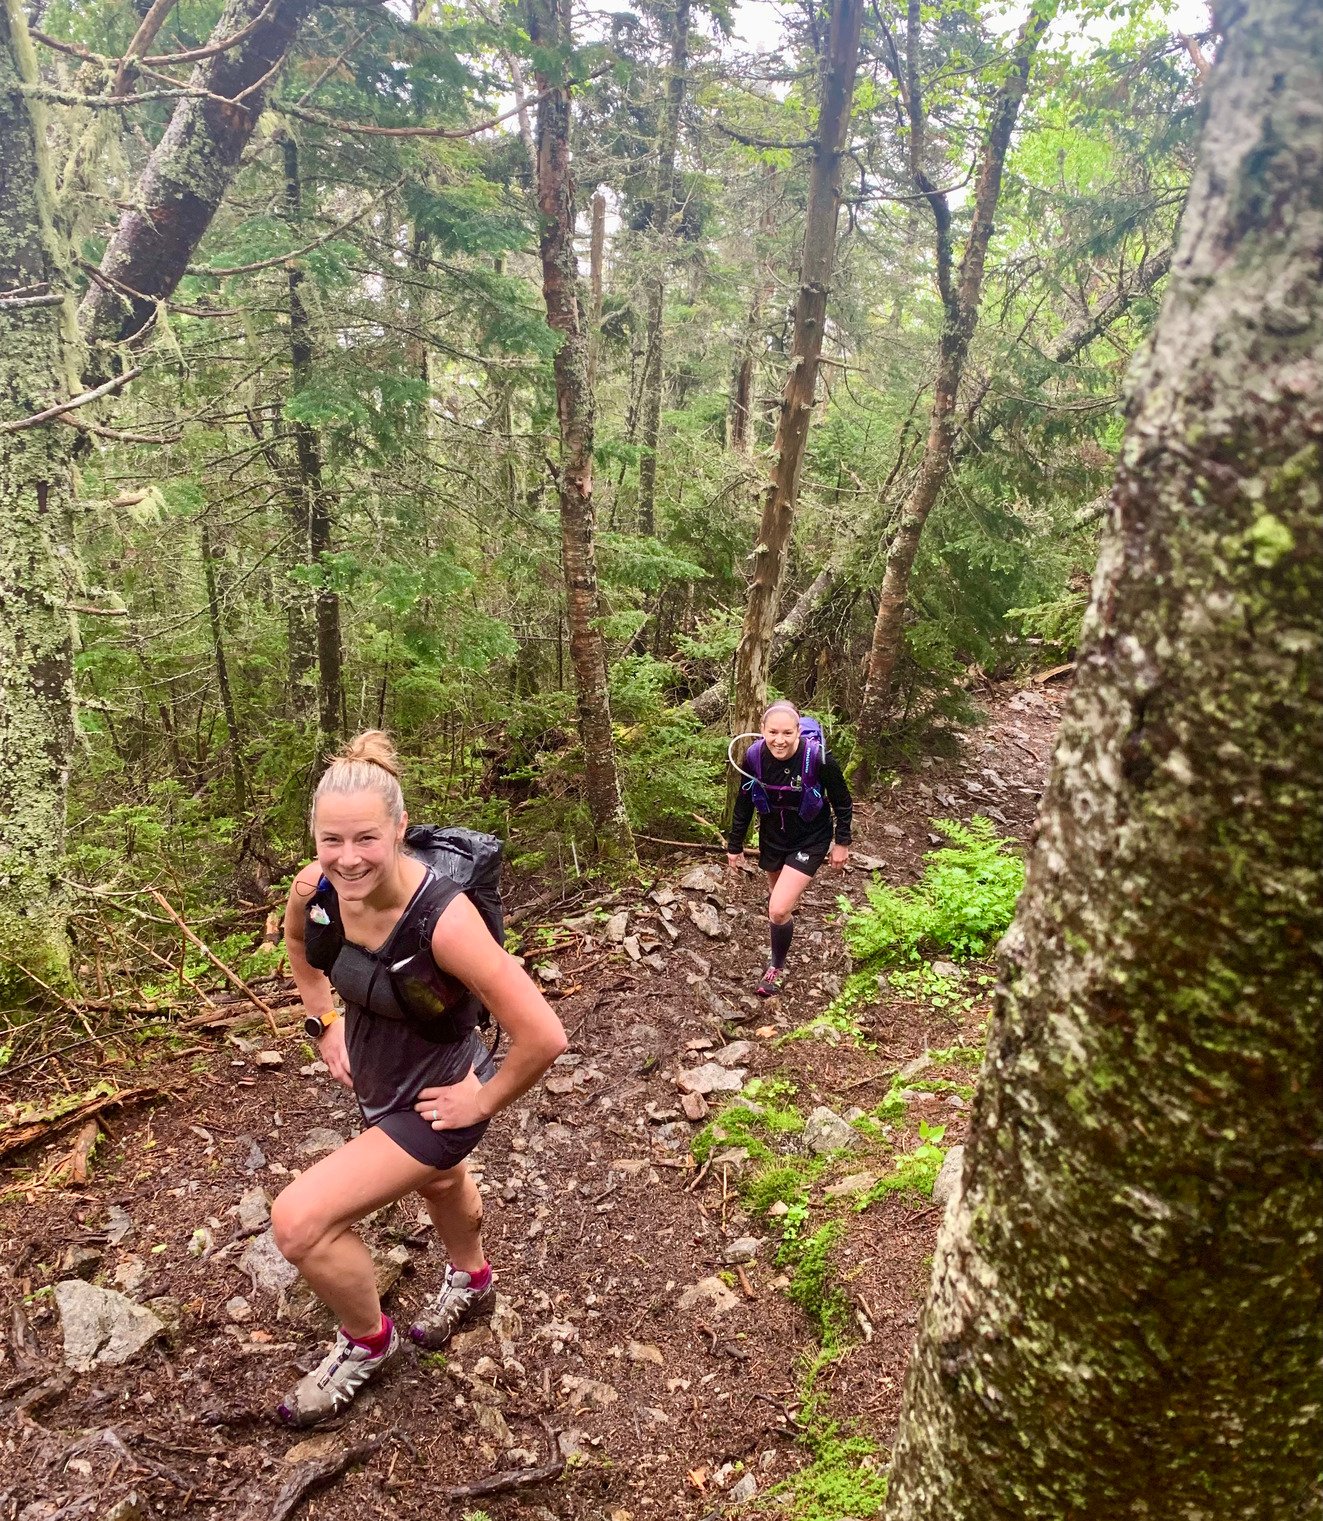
column 416, row 964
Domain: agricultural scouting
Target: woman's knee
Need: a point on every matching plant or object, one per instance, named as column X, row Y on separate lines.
column 297, row 1224
column 446, row 1186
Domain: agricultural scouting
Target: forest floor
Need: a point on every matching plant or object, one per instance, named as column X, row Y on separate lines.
column 651, row 1323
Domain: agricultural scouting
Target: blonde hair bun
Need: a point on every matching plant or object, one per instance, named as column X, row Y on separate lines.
column 367, row 763
column 373, row 747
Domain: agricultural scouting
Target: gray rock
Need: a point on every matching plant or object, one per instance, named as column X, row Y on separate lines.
column 100, row 1326
column 745, row 1249
column 263, row 1263
column 827, row 1131
column 255, row 1161
column 118, row 1225
column 709, row 1295
column 320, row 1139
column 81, row 1261
column 743, row 1490
column 708, row 920
column 914, row 1067
column 616, row 926
column 130, row 1273
column 946, row 969
column 254, row 1210
column 238, row 1308
column 703, row 879
column 848, row 1188
column 711, row 1078
column 587, row 1391
column 732, row 1055
column 948, row 1181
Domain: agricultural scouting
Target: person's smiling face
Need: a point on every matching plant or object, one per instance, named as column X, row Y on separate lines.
column 357, row 844
column 781, row 733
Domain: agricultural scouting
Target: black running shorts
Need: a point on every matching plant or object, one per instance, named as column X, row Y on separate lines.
column 805, row 858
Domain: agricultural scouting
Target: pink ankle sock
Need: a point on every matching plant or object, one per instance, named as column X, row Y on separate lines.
column 377, row 1344
column 481, row 1278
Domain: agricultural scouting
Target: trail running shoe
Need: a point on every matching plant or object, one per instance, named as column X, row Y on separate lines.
column 771, row 982
column 456, row 1305
column 335, row 1381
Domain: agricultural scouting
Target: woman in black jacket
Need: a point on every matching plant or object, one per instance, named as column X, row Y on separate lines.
column 791, row 846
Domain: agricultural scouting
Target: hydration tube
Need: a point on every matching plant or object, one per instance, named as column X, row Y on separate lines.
column 730, row 753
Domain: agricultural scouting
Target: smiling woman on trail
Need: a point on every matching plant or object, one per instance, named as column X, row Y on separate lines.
column 410, row 1050
column 797, row 789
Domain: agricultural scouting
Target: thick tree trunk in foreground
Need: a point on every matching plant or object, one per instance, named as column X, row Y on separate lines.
column 549, row 27
column 663, row 198
column 189, row 172
column 816, row 267
column 1126, row 1306
column 961, row 300
column 37, row 344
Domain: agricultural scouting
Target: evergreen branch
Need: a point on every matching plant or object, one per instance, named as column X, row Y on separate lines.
column 751, row 141
column 18, row 424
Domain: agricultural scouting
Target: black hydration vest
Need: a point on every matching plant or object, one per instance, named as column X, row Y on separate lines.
column 402, row 980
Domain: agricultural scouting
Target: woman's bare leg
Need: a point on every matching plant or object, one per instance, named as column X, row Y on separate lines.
column 788, row 887
column 455, row 1205
column 311, row 1220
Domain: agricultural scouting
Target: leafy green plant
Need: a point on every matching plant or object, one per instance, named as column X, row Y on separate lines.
column 963, row 903
column 915, row 1172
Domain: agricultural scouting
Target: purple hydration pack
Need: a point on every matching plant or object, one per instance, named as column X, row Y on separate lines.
column 803, row 793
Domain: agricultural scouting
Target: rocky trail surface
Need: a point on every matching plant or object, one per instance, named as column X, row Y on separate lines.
column 695, row 1312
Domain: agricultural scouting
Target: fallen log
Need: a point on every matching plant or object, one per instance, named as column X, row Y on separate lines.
column 22, row 1136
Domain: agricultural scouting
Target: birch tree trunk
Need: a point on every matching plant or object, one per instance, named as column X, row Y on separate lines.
column 961, row 300
column 816, row 268
column 663, row 199
column 1125, row 1311
column 549, row 28
column 38, row 365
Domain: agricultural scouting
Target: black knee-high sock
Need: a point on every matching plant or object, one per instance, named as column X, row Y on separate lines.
column 781, row 934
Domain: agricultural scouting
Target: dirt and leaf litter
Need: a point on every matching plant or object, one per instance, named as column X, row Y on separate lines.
column 710, row 1238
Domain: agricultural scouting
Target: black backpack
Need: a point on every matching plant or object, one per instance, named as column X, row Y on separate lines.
column 402, row 980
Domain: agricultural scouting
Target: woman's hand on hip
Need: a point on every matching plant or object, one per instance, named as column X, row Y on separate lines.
column 454, row 1107
column 333, row 1051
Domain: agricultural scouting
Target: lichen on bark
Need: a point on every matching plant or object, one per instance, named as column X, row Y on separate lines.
column 1127, row 1297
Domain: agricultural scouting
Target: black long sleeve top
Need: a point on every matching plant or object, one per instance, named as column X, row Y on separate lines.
column 788, row 829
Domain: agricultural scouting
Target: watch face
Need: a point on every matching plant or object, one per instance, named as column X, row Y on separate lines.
column 314, row 1027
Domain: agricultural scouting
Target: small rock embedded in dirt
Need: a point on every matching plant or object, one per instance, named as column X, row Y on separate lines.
column 709, row 1295
column 313, row 1069
column 117, row 1226
column 127, row 1508
column 263, row 1263
column 616, row 927
column 548, row 971
column 323, row 1445
column 734, row 1161
column 826, row 1131
column 631, row 944
column 914, row 1067
column 320, row 1139
column 254, row 1210
column 847, row 1188
column 238, row 1308
column 390, row 1268
column 779, row 1209
column 710, row 1078
column 130, row 1273
column 743, row 1490
column 588, row 1391
column 559, row 1086
column 255, row 1161
column 946, row 969
column 893, row 831
column 949, row 1179
column 658, row 1115
column 703, row 879
column 268, row 1059
column 708, row 920
column 100, row 1326
column 644, row 1352
column 80, row 1261
column 493, row 1425
column 745, row 1249
column 732, row 1055
column 695, row 1106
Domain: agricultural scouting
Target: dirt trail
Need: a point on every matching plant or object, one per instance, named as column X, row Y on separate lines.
column 675, row 1375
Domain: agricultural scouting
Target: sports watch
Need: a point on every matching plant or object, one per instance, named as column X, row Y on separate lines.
column 317, row 1026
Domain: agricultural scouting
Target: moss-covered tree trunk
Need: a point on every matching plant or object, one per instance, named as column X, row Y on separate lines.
column 37, row 568
column 1126, row 1311
column 549, row 29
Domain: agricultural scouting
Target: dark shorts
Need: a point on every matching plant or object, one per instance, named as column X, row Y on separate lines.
column 805, row 858
column 435, row 1148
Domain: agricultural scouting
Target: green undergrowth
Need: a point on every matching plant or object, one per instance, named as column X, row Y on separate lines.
column 961, row 907
column 843, row 1477
column 915, row 1171
column 809, row 1259
column 760, row 1113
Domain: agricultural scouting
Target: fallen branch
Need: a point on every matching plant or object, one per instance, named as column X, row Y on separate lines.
column 513, row 1478
column 24, row 1135
column 653, row 839
column 17, row 424
column 313, row 1476
column 216, row 961
column 72, row 1167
